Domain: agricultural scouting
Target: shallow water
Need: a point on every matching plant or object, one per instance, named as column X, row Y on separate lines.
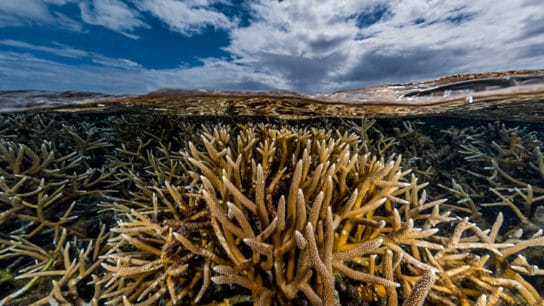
column 510, row 96
column 98, row 198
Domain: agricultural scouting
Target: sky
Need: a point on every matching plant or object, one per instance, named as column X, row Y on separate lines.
column 308, row 46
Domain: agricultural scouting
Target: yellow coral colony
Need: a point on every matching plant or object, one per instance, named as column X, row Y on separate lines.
column 296, row 209
column 283, row 213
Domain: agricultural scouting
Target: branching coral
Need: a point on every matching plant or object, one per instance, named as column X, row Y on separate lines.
column 512, row 163
column 286, row 214
column 290, row 247
column 46, row 185
column 317, row 187
column 67, row 266
column 40, row 184
column 148, row 263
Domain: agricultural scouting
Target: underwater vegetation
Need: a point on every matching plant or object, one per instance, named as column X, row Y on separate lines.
column 141, row 209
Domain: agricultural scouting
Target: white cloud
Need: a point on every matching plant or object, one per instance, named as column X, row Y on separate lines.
column 121, row 76
column 49, row 75
column 216, row 74
column 35, row 12
column 304, row 42
column 18, row 12
column 298, row 27
column 318, row 46
column 478, row 35
column 61, row 50
column 65, row 51
column 314, row 46
column 187, row 17
column 58, row 2
column 112, row 14
column 122, row 63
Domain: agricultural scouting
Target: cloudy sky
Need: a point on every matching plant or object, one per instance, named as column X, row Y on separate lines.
column 135, row 46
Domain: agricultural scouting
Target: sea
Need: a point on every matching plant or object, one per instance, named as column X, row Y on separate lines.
column 431, row 193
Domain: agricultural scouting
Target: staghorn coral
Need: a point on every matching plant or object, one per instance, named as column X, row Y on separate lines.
column 293, row 235
column 465, row 160
column 514, row 165
column 260, row 211
column 67, row 266
column 41, row 181
column 36, row 186
column 426, row 149
column 501, row 169
column 47, row 184
column 288, row 214
column 148, row 263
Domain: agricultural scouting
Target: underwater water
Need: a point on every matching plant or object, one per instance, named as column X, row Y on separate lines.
column 253, row 199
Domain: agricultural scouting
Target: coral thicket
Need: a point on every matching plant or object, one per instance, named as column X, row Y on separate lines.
column 156, row 210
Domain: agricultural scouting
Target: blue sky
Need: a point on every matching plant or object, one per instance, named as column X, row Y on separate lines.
column 311, row 46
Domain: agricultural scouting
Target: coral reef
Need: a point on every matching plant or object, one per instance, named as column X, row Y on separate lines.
column 269, row 213
column 48, row 185
column 509, row 161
